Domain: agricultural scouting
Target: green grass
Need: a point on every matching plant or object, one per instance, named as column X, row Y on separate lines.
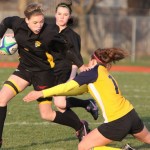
column 24, row 130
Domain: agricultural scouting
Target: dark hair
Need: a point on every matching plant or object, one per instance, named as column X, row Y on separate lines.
column 64, row 5
column 109, row 55
column 33, row 9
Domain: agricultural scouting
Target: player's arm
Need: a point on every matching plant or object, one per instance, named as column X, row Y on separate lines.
column 8, row 22
column 73, row 72
column 3, row 29
column 56, row 90
column 82, row 79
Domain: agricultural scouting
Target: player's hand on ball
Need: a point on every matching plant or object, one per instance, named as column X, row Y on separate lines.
column 34, row 95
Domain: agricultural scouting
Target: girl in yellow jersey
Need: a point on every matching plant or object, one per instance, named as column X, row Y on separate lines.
column 120, row 118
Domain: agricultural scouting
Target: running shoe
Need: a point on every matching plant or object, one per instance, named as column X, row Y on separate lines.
column 93, row 109
column 83, row 131
column 128, row 147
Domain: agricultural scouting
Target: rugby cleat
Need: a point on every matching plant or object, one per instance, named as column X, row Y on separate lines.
column 93, row 109
column 83, row 131
column 128, row 147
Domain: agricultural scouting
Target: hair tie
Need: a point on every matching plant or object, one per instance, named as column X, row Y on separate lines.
column 97, row 59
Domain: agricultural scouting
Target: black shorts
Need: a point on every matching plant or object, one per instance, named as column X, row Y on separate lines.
column 40, row 79
column 62, row 77
column 120, row 128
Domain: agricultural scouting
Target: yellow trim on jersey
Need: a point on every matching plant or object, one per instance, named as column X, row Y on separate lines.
column 60, row 89
column 106, row 92
column 105, row 148
column 50, row 60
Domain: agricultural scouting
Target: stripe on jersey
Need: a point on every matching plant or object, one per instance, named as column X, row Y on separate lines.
column 99, row 100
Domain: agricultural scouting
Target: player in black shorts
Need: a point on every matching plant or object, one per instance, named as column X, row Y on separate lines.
column 35, row 67
column 120, row 117
column 67, row 58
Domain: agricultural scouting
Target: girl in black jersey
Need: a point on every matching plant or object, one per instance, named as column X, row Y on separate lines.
column 35, row 67
column 65, row 68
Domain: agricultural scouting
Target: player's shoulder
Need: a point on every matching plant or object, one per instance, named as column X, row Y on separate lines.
column 72, row 31
column 12, row 22
column 13, row 18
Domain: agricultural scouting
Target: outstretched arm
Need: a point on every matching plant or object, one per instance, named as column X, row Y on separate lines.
column 62, row 89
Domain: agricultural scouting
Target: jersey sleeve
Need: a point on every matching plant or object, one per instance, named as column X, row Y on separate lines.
column 60, row 89
column 73, row 46
column 75, row 51
column 9, row 22
column 76, row 86
column 87, row 77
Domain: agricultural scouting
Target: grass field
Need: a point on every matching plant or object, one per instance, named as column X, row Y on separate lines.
column 24, row 130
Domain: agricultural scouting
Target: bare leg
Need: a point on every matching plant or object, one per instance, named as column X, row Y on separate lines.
column 143, row 136
column 93, row 139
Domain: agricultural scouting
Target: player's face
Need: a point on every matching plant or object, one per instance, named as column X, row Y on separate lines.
column 35, row 23
column 62, row 16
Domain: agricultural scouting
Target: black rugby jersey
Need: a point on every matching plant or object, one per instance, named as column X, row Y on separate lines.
column 34, row 54
column 65, row 48
column 36, row 50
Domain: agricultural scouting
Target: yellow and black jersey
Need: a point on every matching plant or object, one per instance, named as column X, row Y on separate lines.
column 102, row 86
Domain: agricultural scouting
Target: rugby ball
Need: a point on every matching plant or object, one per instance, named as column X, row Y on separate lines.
column 8, row 45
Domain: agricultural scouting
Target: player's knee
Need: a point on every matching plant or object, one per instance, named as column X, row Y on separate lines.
column 60, row 103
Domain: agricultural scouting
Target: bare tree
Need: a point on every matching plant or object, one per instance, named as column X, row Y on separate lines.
column 21, row 6
column 82, row 8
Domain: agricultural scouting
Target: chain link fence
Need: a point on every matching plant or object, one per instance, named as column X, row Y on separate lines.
column 107, row 30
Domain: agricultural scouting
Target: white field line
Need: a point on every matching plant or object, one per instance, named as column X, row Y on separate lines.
column 35, row 123
column 45, row 123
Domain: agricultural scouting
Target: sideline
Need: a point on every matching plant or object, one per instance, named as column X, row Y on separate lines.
column 114, row 68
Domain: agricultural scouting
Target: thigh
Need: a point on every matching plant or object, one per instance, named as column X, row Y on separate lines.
column 7, row 92
column 143, row 136
column 19, row 82
column 94, row 139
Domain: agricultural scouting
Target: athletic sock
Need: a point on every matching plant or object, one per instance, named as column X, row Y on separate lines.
column 3, row 111
column 68, row 118
column 76, row 102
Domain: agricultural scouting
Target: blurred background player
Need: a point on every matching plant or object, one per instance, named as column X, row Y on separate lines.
column 66, row 49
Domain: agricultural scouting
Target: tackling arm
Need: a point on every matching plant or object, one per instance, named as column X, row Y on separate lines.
column 70, row 88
